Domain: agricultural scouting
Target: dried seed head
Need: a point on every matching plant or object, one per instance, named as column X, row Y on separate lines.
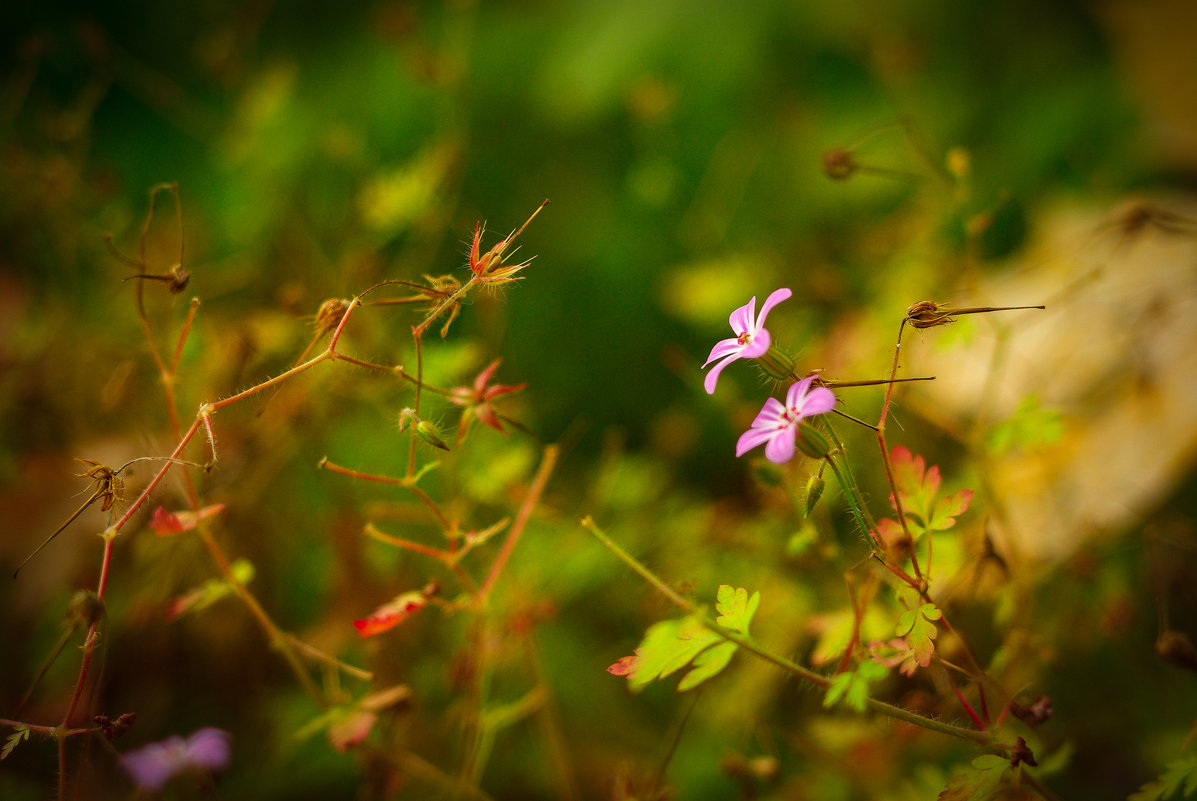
column 85, row 608
column 330, row 314
column 839, row 164
column 178, row 279
column 927, row 314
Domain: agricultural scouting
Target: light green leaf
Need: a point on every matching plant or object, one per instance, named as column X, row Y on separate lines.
column 13, row 740
column 977, row 783
column 670, row 645
column 916, row 626
column 1179, row 780
column 853, row 686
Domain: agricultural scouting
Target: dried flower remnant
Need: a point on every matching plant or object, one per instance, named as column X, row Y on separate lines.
column 153, row 765
column 751, row 341
column 776, row 426
column 491, row 267
column 477, row 400
column 329, row 315
column 165, row 522
column 838, row 163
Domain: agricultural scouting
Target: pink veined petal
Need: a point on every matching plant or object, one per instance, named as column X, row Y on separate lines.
column 777, row 297
column 769, row 415
column 741, row 318
column 794, row 395
column 781, row 447
column 722, row 348
column 713, row 376
column 819, row 401
column 758, row 346
column 751, row 438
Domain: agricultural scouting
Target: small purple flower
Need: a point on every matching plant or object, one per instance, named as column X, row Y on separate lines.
column 153, row 765
column 777, row 425
column 751, row 340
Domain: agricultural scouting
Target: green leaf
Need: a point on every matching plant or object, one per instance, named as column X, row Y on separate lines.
column 979, row 782
column 836, row 631
column 735, row 607
column 670, row 645
column 917, row 627
column 853, row 686
column 13, row 740
column 1032, row 425
column 1179, row 780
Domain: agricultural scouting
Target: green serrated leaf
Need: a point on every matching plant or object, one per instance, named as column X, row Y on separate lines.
column 916, row 626
column 13, row 740
column 1179, row 780
column 708, row 664
column 670, row 645
column 853, row 686
column 736, row 608
column 977, row 783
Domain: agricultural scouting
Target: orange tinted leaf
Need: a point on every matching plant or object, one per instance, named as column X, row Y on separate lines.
column 390, row 614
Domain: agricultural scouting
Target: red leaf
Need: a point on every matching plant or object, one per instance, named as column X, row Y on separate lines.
column 626, row 666
column 166, row 523
column 391, row 614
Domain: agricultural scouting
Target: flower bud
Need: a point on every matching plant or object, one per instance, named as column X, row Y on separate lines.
column 812, row 442
column 777, row 363
column 814, row 491
column 428, row 432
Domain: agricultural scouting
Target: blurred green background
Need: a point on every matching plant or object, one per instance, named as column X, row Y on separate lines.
column 319, row 148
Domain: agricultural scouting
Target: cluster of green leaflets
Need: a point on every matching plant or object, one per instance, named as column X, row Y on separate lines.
column 671, row 645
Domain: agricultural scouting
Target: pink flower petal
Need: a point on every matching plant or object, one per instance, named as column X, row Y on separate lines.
column 757, row 346
column 722, row 348
column 741, row 319
column 780, row 448
column 713, row 376
column 777, row 297
column 751, row 438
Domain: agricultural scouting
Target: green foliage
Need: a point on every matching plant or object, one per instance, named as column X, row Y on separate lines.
column 1179, row 780
column 1032, row 425
column 853, row 686
column 978, row 782
column 19, row 734
column 670, row 645
column 917, row 627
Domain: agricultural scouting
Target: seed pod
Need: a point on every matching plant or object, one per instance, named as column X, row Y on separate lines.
column 814, row 491
column 429, row 433
column 812, row 442
column 777, row 363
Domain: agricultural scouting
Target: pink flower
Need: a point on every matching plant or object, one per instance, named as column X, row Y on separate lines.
column 153, row 765
column 777, row 425
column 751, row 339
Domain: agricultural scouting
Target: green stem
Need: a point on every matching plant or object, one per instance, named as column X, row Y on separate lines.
column 897, row 713
column 850, row 492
